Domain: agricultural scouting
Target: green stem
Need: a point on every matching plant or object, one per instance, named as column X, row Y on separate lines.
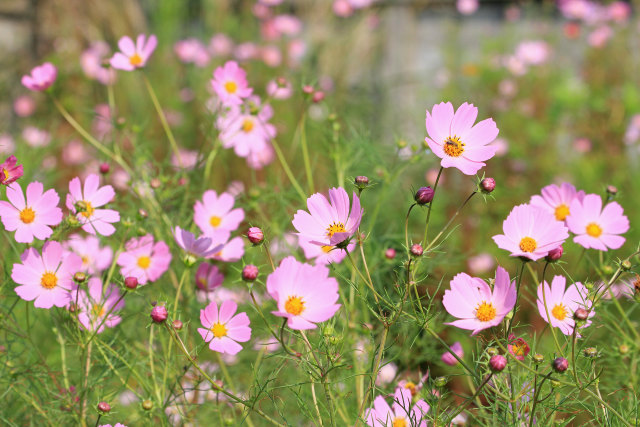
column 287, row 170
column 426, row 226
column 374, row 374
column 163, row 119
column 305, row 154
column 433, row 242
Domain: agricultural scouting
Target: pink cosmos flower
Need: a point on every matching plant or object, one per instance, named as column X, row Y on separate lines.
column 75, row 153
column 229, row 250
column 467, row 7
column 192, row 51
column 471, row 300
column 561, row 303
column 36, row 137
column 24, row 106
column 533, row 52
column 41, row 77
column 596, row 227
column 448, row 358
column 222, row 330
column 47, row 279
column 84, row 203
column 215, row 214
column 279, row 88
column 7, row 144
column 401, row 413
column 32, row 217
column 220, row 45
column 144, row 260
column 305, row 294
column 97, row 311
column 455, row 139
column 95, row 258
column 329, row 221
column 208, row 277
column 258, row 159
column 518, row 347
column 133, row 55
column 10, row 171
column 200, row 247
column 230, row 84
column 323, row 255
column 531, row 232
column 623, row 288
column 92, row 60
column 557, row 199
column 386, row 374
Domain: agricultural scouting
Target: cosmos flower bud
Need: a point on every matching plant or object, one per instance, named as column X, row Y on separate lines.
column 177, row 324
column 497, row 363
column 590, row 352
column 79, row 277
column 488, row 185
column 424, row 195
column 625, row 265
column 255, row 235
column 416, row 250
column 361, row 182
column 131, row 282
column 104, row 168
column 155, row 183
column 612, row 191
column 580, row 315
column 318, row 96
column 623, row 349
column 104, row 407
column 555, row 254
column 308, row 89
column 147, row 405
column 560, row 364
column 440, row 381
column 159, row 314
column 538, row 358
column 249, row 273
column 390, row 253
column 492, row 351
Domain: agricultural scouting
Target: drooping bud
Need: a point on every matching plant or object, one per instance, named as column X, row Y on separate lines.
column 255, row 235
column 390, row 253
column 560, row 364
column 159, row 313
column 249, row 273
column 104, row 407
column 416, row 250
column 131, row 282
column 488, row 185
column 555, row 254
column 497, row 363
column 424, row 195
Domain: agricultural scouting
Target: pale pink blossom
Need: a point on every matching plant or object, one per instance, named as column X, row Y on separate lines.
column 133, row 55
column 85, row 201
column 95, row 258
column 41, row 77
column 597, row 227
column 97, row 310
column 224, row 329
column 230, row 84
column 144, row 259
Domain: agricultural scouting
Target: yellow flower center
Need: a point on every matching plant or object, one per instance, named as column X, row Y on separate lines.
column 5, row 174
column 518, row 349
column 247, row 125
column 400, row 422
column 85, row 260
column 559, row 312
column 410, row 386
column 294, row 305
column 88, row 210
column 215, row 221
column 453, row 147
column 326, row 249
column 219, row 330
column 144, row 262
column 231, row 87
column 562, row 211
column 98, row 310
column 48, row 280
column 594, row 230
column 485, row 312
column 27, row 215
column 135, row 60
column 527, row 244
column 336, row 227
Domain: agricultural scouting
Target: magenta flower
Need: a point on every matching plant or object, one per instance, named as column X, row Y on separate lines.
column 471, row 300
column 230, row 83
column 329, row 221
column 32, row 217
column 144, row 259
column 47, row 279
column 518, row 347
column 10, row 171
column 455, row 139
column 41, row 77
column 323, row 255
column 305, row 294
column 596, row 227
column 133, row 55
column 84, row 205
column 200, row 247
column 557, row 199
column 97, row 310
column 561, row 303
column 95, row 258
column 402, row 413
column 208, row 277
column 531, row 232
column 222, row 330
column 448, row 358
column 215, row 214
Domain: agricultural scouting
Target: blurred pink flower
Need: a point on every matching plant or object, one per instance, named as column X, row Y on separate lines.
column 10, row 171
column 480, row 263
column 98, row 310
column 223, row 328
column 257, row 159
column 41, row 77
column 7, row 144
column 36, row 137
column 230, row 84
column 102, row 121
column 557, row 199
column 24, row 106
column 92, row 60
column 329, row 222
column 600, row 36
column 232, row 250
column 32, row 217
column 133, row 56
column 476, row 306
column 342, row 8
column 582, row 145
column 596, row 227
column 144, row 260
column 518, row 347
column 83, row 202
column 386, row 374
column 448, row 358
column 271, row 56
column 403, row 412
column 533, row 52
column 46, row 278
column 619, row 11
column 455, row 139
column 289, row 25
column 208, row 277
column 95, row 258
column 189, row 159
column 305, row 294
column 192, row 51
column 215, row 214
column 296, row 50
column 467, row 7
column 279, row 88
column 531, row 232
column 74, row 153
column 561, row 303
column 220, row 45
column 622, row 288
column 246, row 51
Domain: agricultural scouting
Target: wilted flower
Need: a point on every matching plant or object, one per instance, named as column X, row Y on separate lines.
column 518, row 347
